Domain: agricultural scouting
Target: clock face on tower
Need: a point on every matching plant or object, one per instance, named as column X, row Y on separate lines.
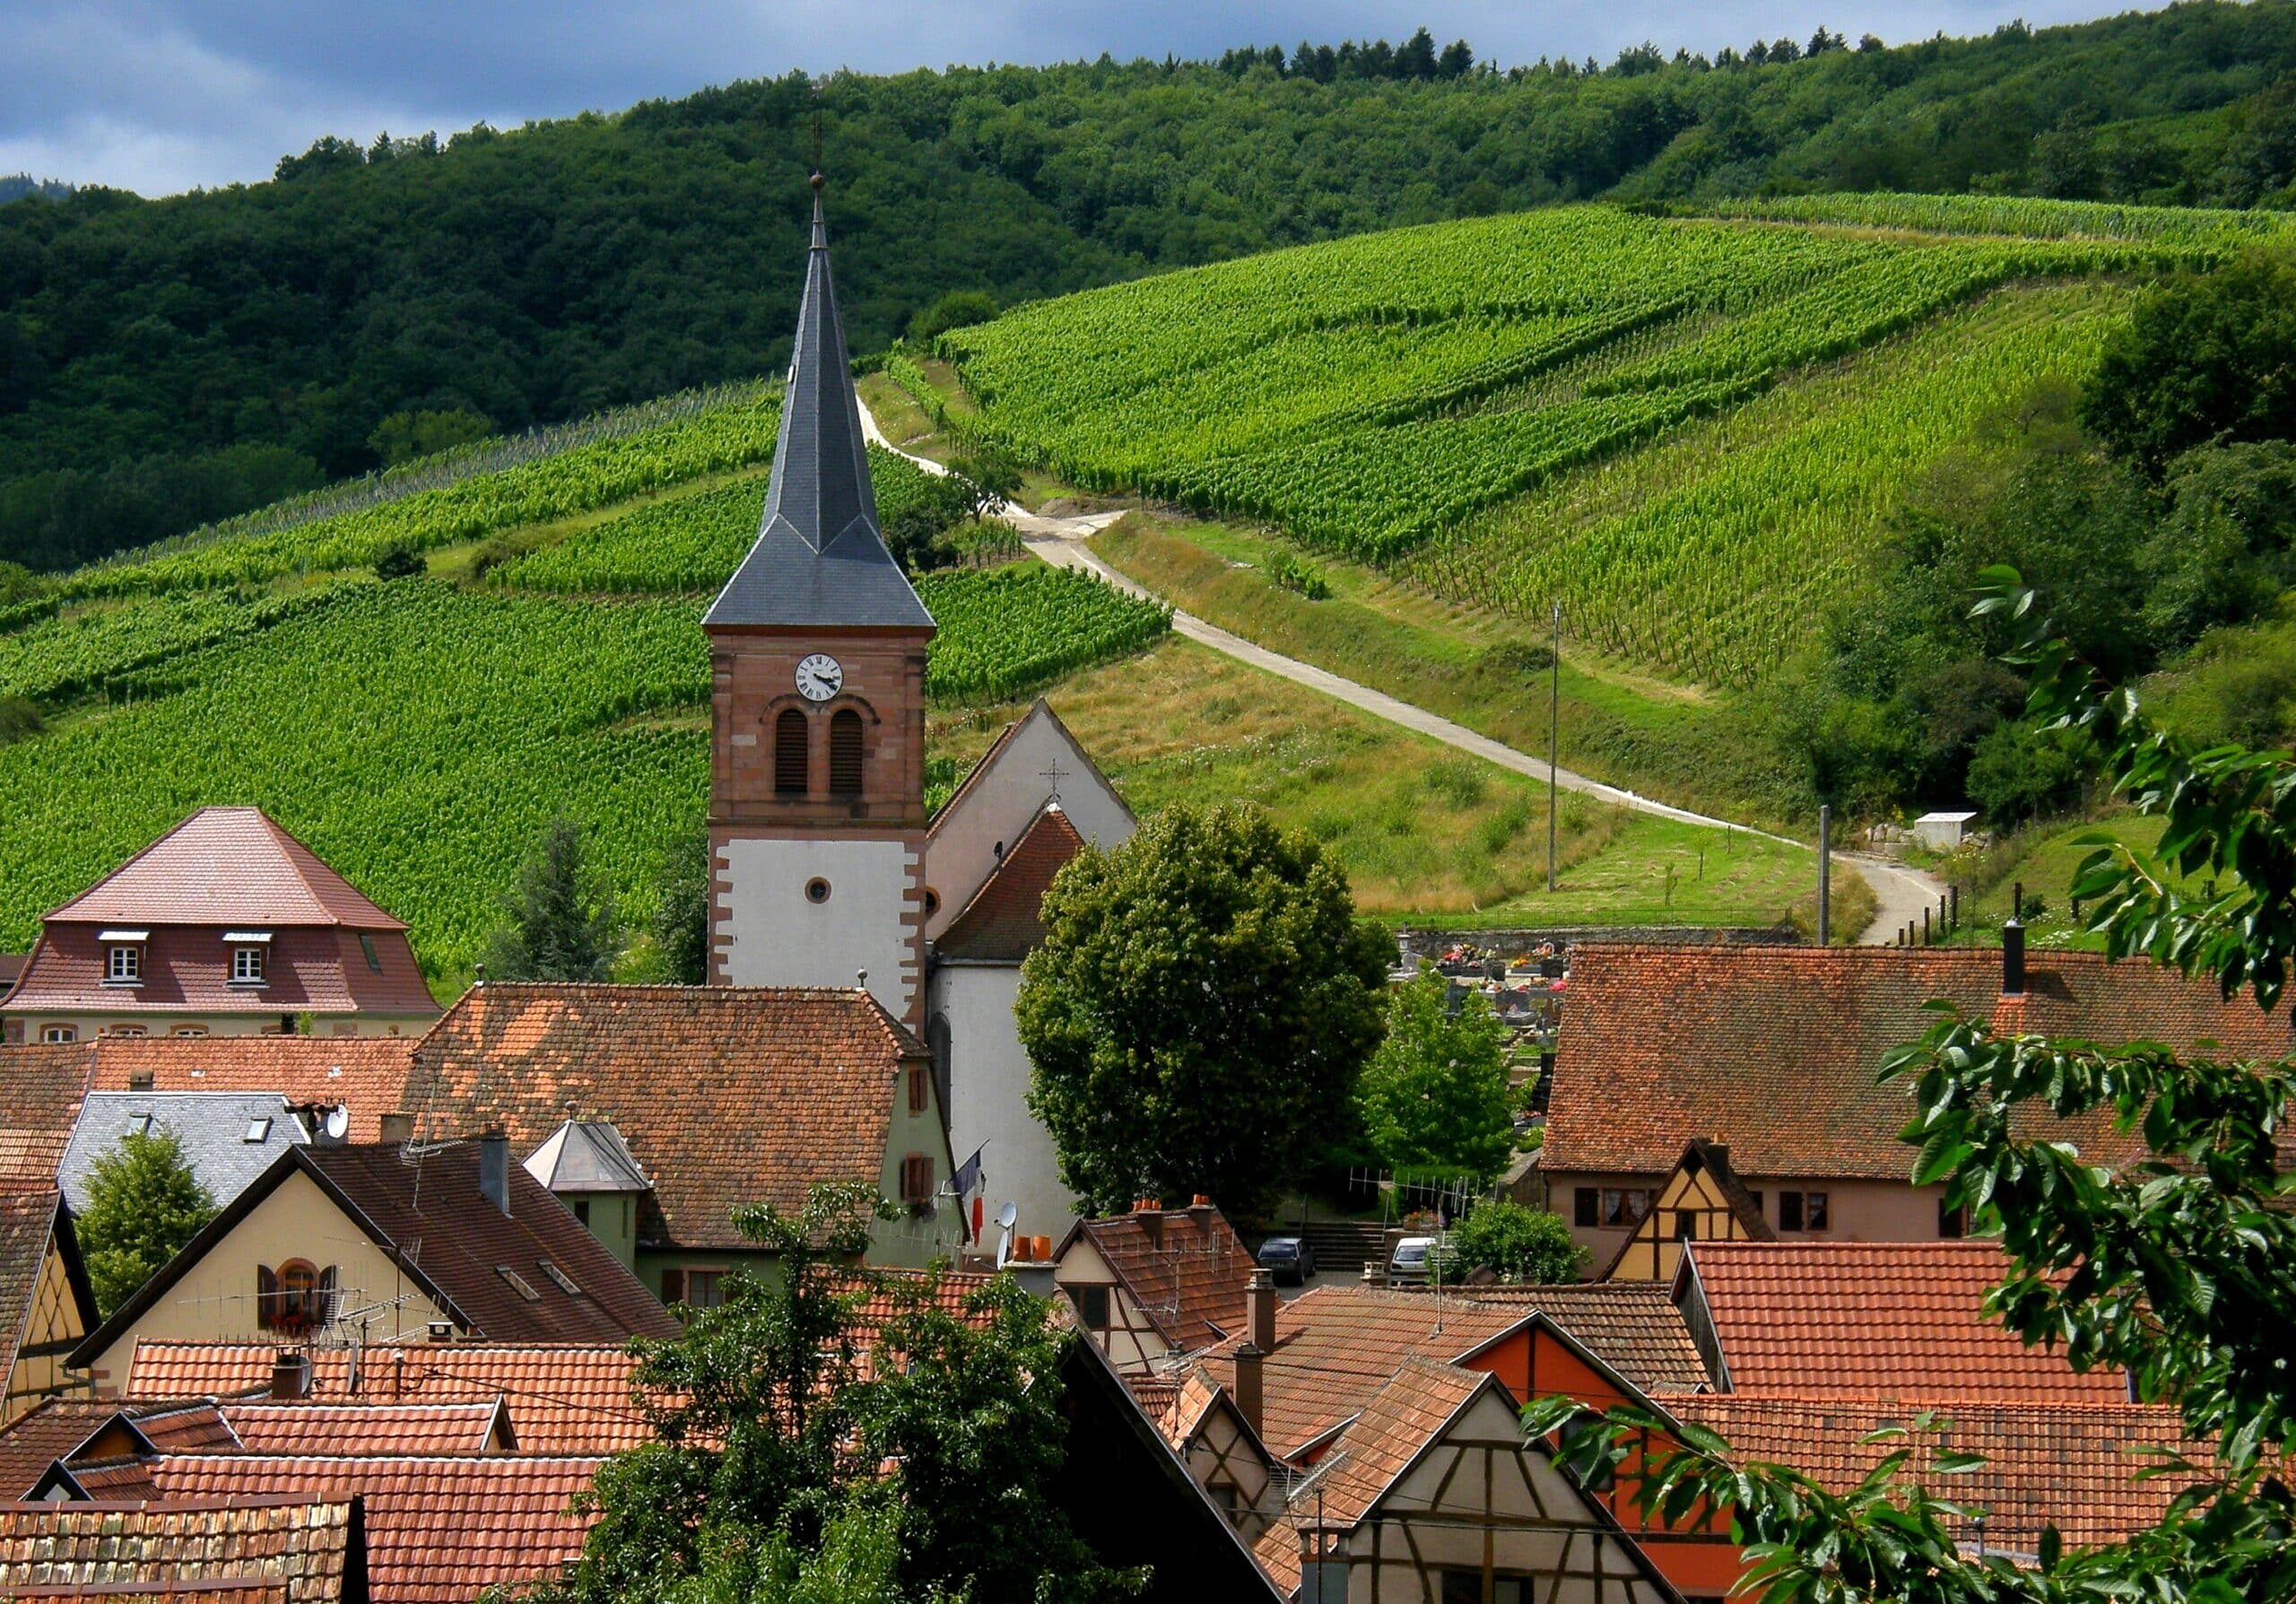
column 820, row 677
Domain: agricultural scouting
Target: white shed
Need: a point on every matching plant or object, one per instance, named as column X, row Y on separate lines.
column 1943, row 832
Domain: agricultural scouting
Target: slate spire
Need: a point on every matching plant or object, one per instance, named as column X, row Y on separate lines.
column 820, row 556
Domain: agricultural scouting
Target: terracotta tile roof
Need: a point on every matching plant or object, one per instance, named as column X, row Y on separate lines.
column 40, row 1091
column 1876, row 1320
column 727, row 1095
column 198, row 1426
column 411, row 1431
column 465, row 1241
column 572, row 1398
column 1397, row 1423
column 2074, row 1464
column 1631, row 1326
column 125, row 1480
column 365, row 1074
column 11, row 965
column 1774, row 1050
column 1002, row 923
column 1189, row 1278
column 188, row 970
column 438, row 1529
column 39, row 1438
column 226, row 866
column 302, row 1549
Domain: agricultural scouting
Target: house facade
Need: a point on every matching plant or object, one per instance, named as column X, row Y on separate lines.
column 225, row 925
column 1155, row 1283
column 45, row 1306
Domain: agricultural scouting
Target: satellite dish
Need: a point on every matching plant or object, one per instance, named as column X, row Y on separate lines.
column 338, row 1123
column 1007, row 1216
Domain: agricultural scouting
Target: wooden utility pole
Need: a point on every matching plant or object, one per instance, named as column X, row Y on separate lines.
column 1554, row 742
column 1825, row 874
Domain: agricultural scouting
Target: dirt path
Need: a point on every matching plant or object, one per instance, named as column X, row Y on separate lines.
column 1903, row 893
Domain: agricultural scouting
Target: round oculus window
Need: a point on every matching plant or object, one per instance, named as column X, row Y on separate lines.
column 817, row 891
column 932, row 901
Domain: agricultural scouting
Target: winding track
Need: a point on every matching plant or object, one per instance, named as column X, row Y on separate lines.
column 1903, row 893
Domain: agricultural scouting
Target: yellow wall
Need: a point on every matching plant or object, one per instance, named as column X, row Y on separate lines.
column 1131, row 1342
column 215, row 1299
column 52, row 1330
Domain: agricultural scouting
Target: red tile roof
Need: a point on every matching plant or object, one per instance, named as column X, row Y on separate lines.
column 38, row 1439
column 40, row 1090
column 188, row 970
column 1188, row 1278
column 2073, row 1464
column 1631, row 1326
column 1002, row 924
column 300, row 1549
column 1774, row 1050
column 562, row 1400
column 196, row 1427
column 438, row 1529
column 366, row 1074
column 727, row 1095
column 404, row 1430
column 1876, row 1320
column 226, row 866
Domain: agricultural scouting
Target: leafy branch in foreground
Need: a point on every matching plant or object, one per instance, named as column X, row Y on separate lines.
column 2180, row 1268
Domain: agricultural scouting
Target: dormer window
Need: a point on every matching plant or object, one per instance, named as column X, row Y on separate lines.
column 249, row 952
column 123, row 956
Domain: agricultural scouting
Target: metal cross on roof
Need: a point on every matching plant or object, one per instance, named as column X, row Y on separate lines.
column 1052, row 775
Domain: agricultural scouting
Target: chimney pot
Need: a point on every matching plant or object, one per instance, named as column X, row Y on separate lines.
column 291, row 1374
column 2012, row 959
column 1249, row 1390
column 494, row 1168
column 1259, row 1310
column 397, row 1129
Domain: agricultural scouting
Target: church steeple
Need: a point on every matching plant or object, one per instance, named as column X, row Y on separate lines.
column 820, row 556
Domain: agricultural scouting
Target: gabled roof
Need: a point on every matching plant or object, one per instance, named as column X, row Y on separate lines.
column 1774, row 1051
column 427, row 1213
column 28, row 1221
column 1040, row 712
column 1189, row 1278
column 2075, row 1465
column 367, row 1074
column 308, row 969
column 217, row 1131
column 562, row 1399
column 227, row 867
column 587, row 1155
column 820, row 558
column 302, row 1548
column 40, row 1092
column 1706, row 1166
column 1873, row 1320
column 726, row 1095
column 1003, row 922
column 412, row 1430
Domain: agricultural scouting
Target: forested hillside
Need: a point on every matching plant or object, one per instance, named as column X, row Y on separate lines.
column 164, row 363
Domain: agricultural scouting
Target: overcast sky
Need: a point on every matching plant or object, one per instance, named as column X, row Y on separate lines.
column 164, row 95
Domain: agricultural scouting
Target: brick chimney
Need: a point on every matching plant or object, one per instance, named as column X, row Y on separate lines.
column 1259, row 1310
column 397, row 1129
column 1150, row 1213
column 1249, row 1394
column 2012, row 959
column 494, row 1168
column 291, row 1374
column 1200, row 1210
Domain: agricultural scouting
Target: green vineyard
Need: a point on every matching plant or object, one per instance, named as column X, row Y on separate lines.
column 1469, row 401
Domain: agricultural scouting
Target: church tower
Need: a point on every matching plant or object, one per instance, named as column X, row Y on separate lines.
column 817, row 708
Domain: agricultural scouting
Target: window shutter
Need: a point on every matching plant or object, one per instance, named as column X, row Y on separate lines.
column 266, row 1297
column 792, row 734
column 846, row 739
column 324, row 1315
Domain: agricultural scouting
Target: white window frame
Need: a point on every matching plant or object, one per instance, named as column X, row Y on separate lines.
column 124, row 963
column 248, row 967
column 58, row 1035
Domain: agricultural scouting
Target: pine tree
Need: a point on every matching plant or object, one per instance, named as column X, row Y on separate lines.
column 563, row 924
column 144, row 1205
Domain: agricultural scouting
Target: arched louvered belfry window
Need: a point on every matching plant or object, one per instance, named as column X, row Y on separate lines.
column 791, row 769
column 846, row 735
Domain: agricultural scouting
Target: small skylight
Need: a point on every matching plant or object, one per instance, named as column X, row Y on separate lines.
column 519, row 1283
column 258, row 1128
column 139, row 1125
column 565, row 1282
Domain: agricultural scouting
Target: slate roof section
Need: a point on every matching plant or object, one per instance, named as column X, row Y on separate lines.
column 726, row 1095
column 367, row 1074
column 40, row 1092
column 1188, row 1278
column 453, row 1243
column 562, row 1399
column 226, row 866
column 1873, row 1319
column 214, row 1128
column 819, row 557
column 1003, row 922
column 437, row 1530
column 588, row 1156
column 1773, row 1051
column 2074, row 1464
column 300, row 1549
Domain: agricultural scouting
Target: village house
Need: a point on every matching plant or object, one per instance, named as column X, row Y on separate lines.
column 381, row 1243
column 1209, row 1433
column 715, row 1097
column 1703, row 1200
column 1772, row 1053
column 46, row 1304
column 1154, row 1283
column 227, row 1138
column 225, row 925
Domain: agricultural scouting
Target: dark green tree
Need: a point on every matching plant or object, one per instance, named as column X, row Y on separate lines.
column 681, row 914
column 144, row 1205
column 1434, row 1097
column 1199, row 1010
column 954, row 309
column 562, row 925
column 1515, row 1243
column 2181, row 1270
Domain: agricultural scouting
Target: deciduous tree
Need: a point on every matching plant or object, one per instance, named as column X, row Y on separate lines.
column 145, row 1203
column 1433, row 1096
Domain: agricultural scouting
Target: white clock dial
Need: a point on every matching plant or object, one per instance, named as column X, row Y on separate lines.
column 820, row 677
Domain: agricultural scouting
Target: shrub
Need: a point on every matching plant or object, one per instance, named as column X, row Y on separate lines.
column 1514, row 1244
column 401, row 563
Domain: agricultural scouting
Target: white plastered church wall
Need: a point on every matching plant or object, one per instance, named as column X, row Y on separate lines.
column 780, row 938
column 988, row 1100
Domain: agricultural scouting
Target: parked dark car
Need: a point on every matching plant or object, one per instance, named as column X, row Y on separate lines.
column 1288, row 1259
